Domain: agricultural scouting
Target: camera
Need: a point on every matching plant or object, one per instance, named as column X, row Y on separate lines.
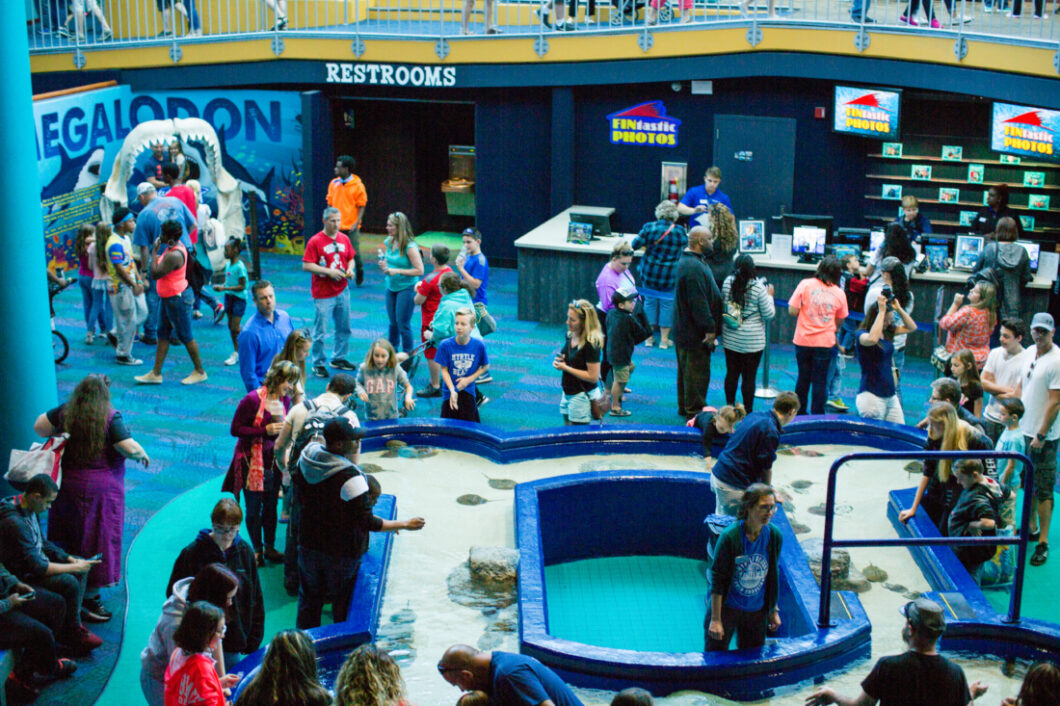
column 888, row 293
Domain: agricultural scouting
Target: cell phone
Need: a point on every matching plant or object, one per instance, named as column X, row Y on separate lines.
column 59, row 272
column 97, row 557
column 29, row 596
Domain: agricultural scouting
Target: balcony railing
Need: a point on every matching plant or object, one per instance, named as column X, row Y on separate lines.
column 125, row 23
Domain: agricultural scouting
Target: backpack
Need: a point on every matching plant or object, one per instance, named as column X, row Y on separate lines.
column 312, row 429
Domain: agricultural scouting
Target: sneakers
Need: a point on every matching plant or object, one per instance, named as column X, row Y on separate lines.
column 20, row 690
column 64, row 32
column 987, row 9
column 89, row 338
column 935, row 24
column 147, row 340
column 195, row 378
column 320, row 371
column 274, row 556
column 149, row 379
column 1041, row 553
column 93, row 611
column 218, row 313
column 838, row 403
column 1035, row 535
column 908, row 20
column 484, row 379
column 620, row 412
column 81, row 642
column 281, row 24
column 196, row 314
column 128, row 360
column 542, row 14
column 107, row 34
column 341, row 364
column 486, row 400
column 232, row 359
column 650, row 343
column 430, row 391
column 64, row 668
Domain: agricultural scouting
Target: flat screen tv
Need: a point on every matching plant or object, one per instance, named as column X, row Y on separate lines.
column 867, row 112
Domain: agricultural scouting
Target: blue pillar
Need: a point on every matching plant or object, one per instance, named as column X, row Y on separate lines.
column 26, row 362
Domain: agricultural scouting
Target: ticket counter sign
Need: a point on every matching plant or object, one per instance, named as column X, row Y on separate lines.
column 868, row 112
column 1026, row 131
column 644, row 124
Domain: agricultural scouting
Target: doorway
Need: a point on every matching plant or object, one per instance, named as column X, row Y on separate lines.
column 402, row 153
column 757, row 160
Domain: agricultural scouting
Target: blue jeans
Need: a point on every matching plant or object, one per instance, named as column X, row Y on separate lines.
column 321, row 575
column 261, row 512
column 399, row 306
column 813, row 362
column 154, row 307
column 100, row 312
column 338, row 309
column 857, row 7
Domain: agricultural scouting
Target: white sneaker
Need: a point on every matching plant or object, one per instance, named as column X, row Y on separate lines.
column 232, row 359
column 89, row 337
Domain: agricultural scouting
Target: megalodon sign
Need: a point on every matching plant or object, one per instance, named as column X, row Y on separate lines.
column 1025, row 130
column 644, row 124
column 228, row 192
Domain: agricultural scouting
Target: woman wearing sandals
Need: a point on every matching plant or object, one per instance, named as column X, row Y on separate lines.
column 579, row 360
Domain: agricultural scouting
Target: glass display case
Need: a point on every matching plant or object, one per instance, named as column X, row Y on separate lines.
column 459, row 188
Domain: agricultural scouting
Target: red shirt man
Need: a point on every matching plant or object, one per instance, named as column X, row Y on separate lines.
column 329, row 258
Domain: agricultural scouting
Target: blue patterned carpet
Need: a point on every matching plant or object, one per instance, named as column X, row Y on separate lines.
column 185, row 429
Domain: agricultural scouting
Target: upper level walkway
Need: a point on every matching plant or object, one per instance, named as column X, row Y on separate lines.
column 138, row 35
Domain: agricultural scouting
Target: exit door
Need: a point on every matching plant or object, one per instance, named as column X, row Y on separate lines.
column 757, row 160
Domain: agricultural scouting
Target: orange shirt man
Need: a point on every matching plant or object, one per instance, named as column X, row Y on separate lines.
column 346, row 192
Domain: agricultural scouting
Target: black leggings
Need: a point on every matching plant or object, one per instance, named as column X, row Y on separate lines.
column 737, row 365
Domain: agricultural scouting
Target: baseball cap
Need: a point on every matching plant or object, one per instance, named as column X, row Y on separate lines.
column 341, row 429
column 1043, row 320
column 144, row 187
column 623, row 294
column 925, row 614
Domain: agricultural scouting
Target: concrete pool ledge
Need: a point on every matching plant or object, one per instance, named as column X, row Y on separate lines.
column 972, row 623
column 645, row 513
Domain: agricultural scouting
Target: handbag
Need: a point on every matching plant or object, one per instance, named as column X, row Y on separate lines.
column 486, row 323
column 940, row 359
column 732, row 317
column 42, row 457
column 601, row 405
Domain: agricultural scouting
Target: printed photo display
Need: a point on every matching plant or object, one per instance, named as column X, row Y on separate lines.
column 921, row 172
column 892, row 149
column 952, row 153
column 1034, row 178
column 891, row 192
column 949, row 195
column 1027, row 222
column 967, row 217
column 975, row 173
column 1039, row 202
column 1010, row 159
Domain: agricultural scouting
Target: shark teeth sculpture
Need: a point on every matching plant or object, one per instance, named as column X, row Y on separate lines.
column 229, row 193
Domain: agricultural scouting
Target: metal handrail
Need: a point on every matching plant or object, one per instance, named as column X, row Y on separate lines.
column 829, row 521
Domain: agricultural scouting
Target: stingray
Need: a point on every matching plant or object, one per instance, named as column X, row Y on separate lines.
column 395, row 444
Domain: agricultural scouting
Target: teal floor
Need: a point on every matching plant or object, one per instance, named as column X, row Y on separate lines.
column 185, row 430
column 645, row 603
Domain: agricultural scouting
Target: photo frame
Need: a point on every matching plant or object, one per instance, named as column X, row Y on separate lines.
column 952, row 153
column 975, row 173
column 891, row 192
column 1009, row 159
column 968, row 248
column 1034, row 178
column 947, row 195
column 920, row 172
column 1027, row 222
column 752, row 238
column 1039, row 202
column 676, row 172
column 966, row 218
column 892, row 149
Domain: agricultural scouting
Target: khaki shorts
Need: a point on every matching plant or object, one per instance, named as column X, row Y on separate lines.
column 622, row 374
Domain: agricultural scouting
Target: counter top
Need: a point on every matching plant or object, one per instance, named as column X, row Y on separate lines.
column 552, row 235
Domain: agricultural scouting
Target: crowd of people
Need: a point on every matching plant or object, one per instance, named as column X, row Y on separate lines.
column 695, row 293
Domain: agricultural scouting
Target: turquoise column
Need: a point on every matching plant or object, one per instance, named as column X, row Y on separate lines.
column 26, row 362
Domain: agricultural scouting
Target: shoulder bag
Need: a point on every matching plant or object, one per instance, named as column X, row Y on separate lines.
column 42, row 457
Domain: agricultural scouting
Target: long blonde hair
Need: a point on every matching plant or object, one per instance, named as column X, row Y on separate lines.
column 955, row 433
column 988, row 301
column 403, row 235
column 591, row 331
column 723, row 226
column 369, row 677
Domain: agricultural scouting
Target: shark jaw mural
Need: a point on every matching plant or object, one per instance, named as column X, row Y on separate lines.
column 227, row 189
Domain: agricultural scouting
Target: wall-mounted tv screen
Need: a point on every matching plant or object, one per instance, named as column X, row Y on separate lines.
column 1025, row 130
column 868, row 112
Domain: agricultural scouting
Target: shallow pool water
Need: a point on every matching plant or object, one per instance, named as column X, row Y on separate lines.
column 421, row 621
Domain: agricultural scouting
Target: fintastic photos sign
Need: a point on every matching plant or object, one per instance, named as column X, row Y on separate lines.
column 1026, row 131
column 869, row 112
column 644, row 124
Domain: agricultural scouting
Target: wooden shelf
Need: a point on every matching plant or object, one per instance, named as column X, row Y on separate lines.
column 957, row 224
column 968, row 205
column 984, row 184
column 992, row 162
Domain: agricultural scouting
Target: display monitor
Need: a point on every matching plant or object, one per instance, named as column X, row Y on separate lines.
column 868, row 112
column 1033, row 250
column 967, row 252
column 791, row 221
column 841, row 250
column 938, row 250
column 808, row 241
column 875, row 241
column 852, row 236
column 601, row 224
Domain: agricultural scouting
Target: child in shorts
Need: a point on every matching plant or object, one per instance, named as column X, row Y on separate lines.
column 1011, row 439
column 236, row 291
column 624, row 330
